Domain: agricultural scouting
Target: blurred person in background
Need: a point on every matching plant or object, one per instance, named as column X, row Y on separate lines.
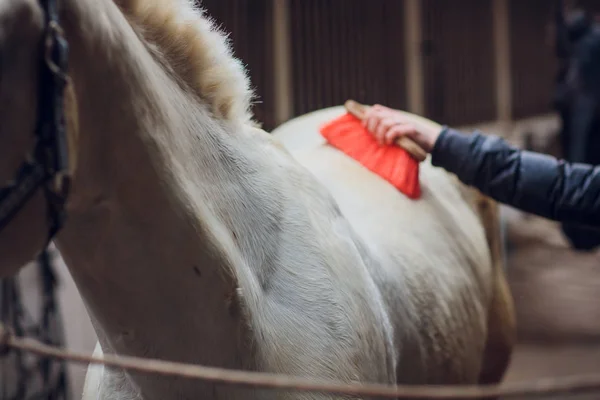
column 577, row 100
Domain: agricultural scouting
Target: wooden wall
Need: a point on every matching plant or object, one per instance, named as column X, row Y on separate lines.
column 345, row 49
column 459, row 65
column 533, row 63
column 340, row 49
column 250, row 24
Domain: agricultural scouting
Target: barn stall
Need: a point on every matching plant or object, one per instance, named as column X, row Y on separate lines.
column 468, row 63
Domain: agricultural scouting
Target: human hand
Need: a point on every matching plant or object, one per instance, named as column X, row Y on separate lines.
column 388, row 125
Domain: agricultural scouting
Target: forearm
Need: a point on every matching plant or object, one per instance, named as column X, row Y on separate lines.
column 532, row 182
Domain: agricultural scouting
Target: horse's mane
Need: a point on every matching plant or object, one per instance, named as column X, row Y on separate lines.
column 197, row 52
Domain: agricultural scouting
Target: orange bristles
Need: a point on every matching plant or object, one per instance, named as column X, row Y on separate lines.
column 392, row 163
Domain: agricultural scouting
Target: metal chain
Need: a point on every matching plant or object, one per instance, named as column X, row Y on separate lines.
column 23, row 375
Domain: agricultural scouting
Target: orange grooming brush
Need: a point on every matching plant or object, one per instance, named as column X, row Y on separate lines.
column 398, row 163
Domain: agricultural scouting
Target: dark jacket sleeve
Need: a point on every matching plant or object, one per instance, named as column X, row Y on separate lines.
column 533, row 182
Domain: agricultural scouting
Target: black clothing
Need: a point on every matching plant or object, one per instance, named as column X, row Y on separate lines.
column 564, row 190
column 577, row 100
column 533, row 182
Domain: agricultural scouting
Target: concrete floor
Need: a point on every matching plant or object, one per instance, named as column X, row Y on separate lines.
column 557, row 295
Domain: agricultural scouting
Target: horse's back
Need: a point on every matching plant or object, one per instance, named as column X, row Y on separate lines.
column 387, row 220
column 433, row 265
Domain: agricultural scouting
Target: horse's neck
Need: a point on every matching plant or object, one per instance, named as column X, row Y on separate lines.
column 145, row 241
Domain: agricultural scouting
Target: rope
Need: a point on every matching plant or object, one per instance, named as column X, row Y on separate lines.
column 539, row 388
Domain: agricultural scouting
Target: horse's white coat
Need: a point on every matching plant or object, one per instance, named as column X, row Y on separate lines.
column 195, row 237
column 424, row 270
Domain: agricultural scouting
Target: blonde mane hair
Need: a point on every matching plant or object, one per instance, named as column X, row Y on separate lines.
column 198, row 53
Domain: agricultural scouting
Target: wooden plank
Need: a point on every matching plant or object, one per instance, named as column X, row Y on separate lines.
column 347, row 49
column 250, row 25
column 533, row 62
column 458, row 61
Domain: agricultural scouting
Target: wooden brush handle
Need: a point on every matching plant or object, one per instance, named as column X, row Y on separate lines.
column 416, row 151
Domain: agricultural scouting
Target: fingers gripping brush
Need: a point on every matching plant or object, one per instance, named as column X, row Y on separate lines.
column 397, row 163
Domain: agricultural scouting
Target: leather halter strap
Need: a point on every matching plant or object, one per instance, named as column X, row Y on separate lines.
column 47, row 165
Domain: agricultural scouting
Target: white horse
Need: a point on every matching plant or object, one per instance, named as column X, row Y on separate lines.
column 196, row 237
